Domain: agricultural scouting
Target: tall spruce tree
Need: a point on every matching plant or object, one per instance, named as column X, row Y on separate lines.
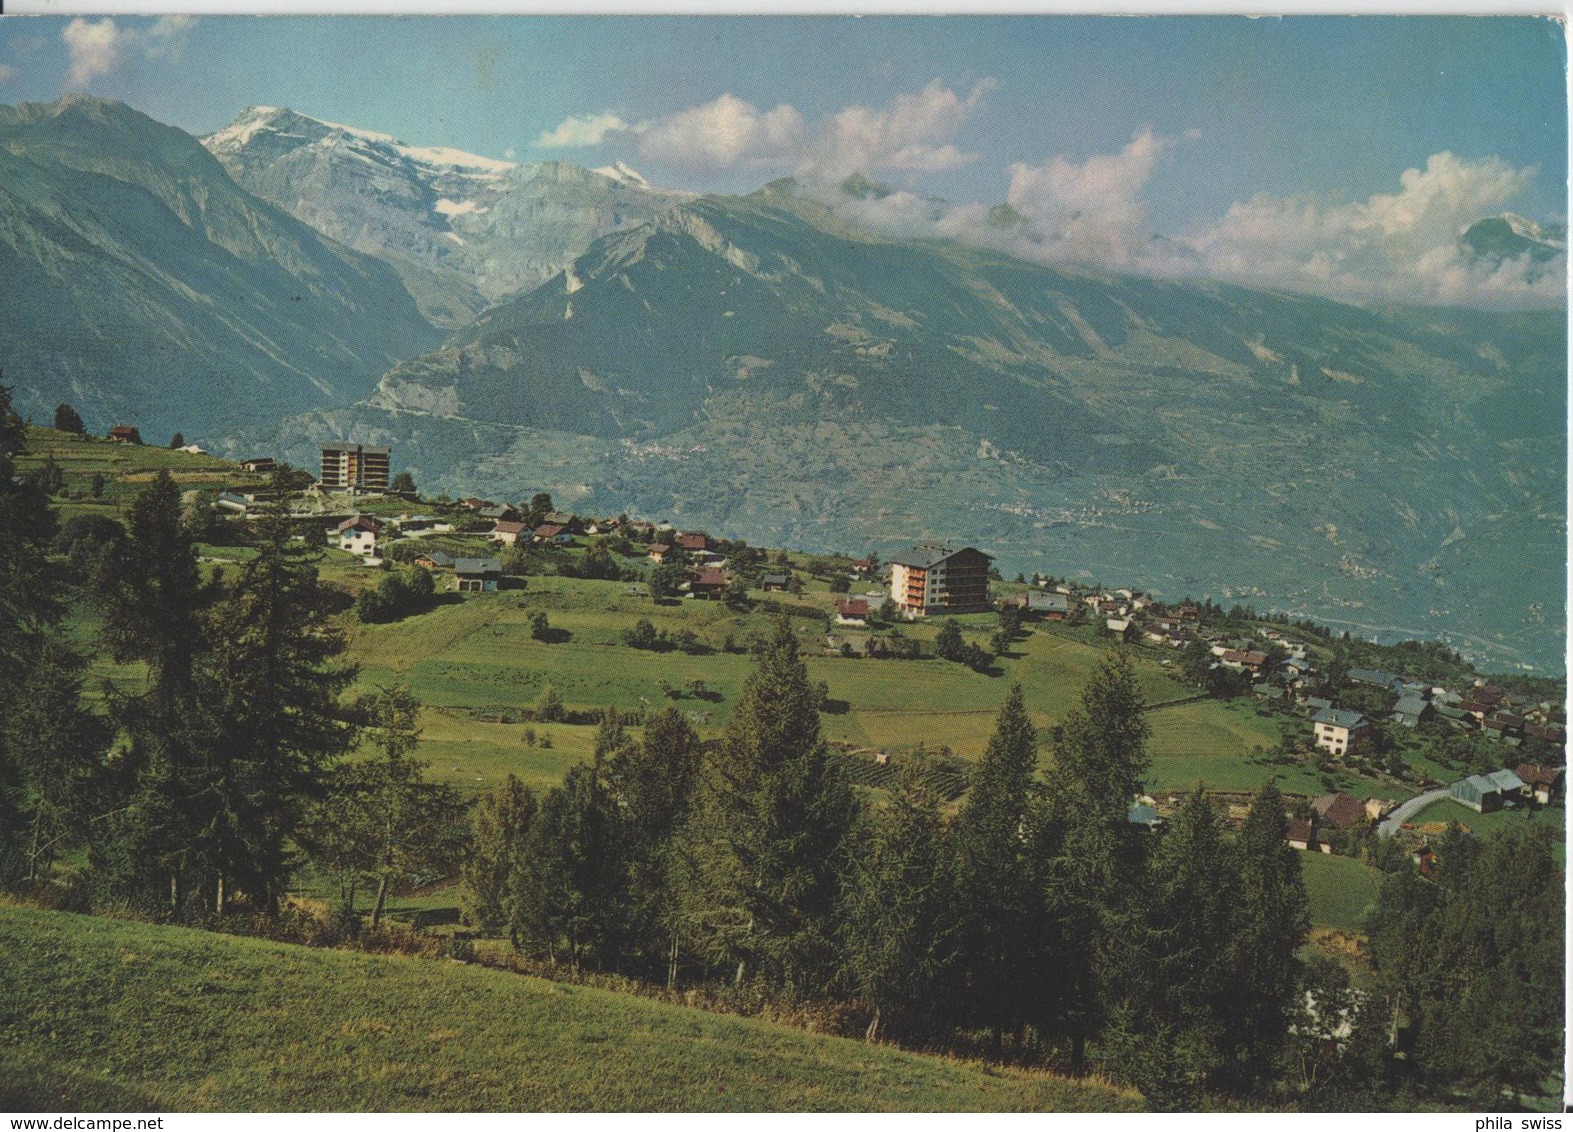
column 901, row 923
column 997, row 878
column 763, row 849
column 1471, row 961
column 48, row 745
column 569, row 897
column 1273, row 923
column 1091, row 850
column 147, row 850
column 1170, row 1032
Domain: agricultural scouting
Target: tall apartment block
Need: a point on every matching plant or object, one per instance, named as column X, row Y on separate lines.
column 354, row 466
column 930, row 578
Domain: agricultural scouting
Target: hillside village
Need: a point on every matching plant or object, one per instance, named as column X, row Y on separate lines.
column 1365, row 719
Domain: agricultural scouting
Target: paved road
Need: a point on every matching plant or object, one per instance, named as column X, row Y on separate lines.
column 1408, row 810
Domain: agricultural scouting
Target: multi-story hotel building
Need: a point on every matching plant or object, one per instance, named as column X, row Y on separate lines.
column 354, row 466
column 930, row 578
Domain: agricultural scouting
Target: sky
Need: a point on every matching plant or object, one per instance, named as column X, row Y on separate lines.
column 1335, row 154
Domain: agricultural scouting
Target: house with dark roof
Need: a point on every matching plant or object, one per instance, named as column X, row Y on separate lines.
column 707, row 582
column 1339, row 811
column 852, row 611
column 1412, row 710
column 1300, row 834
column 259, row 464
column 1503, row 727
column 358, row 535
column 434, row 559
column 1376, row 678
column 659, row 552
column 691, row 542
column 124, row 434
column 772, row 583
column 1041, row 605
column 477, row 575
column 1543, row 783
column 554, row 533
column 1340, row 732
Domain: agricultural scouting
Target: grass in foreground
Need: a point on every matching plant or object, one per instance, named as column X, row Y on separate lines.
column 99, row 1014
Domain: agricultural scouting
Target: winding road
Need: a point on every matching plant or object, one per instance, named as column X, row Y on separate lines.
column 1408, row 810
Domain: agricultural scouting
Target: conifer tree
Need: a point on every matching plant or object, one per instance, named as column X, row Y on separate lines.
column 1169, row 1002
column 570, row 892
column 1273, row 923
column 997, row 879
column 152, row 598
column 271, row 693
column 763, row 849
column 1090, row 849
column 68, row 420
column 901, row 923
column 653, row 783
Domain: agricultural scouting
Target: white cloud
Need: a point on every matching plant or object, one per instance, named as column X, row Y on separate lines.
column 1092, row 210
column 1399, row 246
column 8, row 73
column 95, row 49
column 911, row 134
column 723, row 133
column 579, row 132
column 1394, row 247
column 509, row 153
column 98, row 48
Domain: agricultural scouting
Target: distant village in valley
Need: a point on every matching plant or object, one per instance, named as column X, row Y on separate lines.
column 1507, row 736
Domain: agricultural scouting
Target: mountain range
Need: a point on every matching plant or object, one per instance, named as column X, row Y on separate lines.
column 762, row 367
column 141, row 284
column 462, row 231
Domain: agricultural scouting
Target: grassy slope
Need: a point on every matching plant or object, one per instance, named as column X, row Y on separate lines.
column 1342, row 890
column 105, row 1014
column 1483, row 825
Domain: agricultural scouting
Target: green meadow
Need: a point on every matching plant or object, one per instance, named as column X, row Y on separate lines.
column 109, row 1015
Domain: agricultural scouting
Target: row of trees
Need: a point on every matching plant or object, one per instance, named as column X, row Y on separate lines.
column 1037, row 922
column 189, row 789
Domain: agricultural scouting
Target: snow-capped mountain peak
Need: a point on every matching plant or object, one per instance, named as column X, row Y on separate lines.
column 291, row 126
column 619, row 171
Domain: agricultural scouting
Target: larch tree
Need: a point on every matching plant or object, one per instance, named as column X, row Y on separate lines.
column 500, row 824
column 271, row 689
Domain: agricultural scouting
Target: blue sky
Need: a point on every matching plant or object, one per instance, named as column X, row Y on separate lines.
column 1146, row 125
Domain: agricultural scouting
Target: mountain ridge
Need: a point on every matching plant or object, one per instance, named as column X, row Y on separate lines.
column 758, row 365
column 463, row 231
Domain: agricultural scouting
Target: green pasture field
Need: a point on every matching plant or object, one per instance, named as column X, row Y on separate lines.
column 1342, row 890
column 108, row 1015
column 1483, row 825
column 127, row 469
column 477, row 652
